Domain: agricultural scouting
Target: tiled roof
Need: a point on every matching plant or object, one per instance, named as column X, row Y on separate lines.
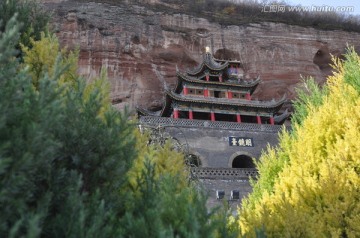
column 251, row 85
column 144, row 112
column 225, row 101
column 210, row 63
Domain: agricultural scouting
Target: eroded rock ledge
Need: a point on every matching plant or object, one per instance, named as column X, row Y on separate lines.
column 141, row 48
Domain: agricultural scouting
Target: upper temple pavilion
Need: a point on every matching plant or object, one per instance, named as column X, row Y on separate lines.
column 216, row 90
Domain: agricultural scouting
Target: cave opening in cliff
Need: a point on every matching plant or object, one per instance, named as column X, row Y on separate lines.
column 226, row 54
column 322, row 59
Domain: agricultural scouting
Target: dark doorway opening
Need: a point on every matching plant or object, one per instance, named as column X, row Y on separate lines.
column 248, row 119
column 225, row 117
column 216, row 94
column 201, row 115
column 243, row 161
column 193, row 161
column 183, row 114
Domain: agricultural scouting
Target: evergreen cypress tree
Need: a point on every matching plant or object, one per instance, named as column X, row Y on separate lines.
column 32, row 17
column 70, row 165
column 61, row 164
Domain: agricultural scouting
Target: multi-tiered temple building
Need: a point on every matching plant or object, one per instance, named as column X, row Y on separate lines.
column 212, row 112
column 217, row 91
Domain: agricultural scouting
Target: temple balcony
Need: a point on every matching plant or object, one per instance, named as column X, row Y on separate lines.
column 230, row 101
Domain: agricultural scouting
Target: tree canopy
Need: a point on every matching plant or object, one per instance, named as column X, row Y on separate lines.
column 309, row 185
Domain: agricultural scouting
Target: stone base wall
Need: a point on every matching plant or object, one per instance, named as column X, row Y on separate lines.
column 210, row 140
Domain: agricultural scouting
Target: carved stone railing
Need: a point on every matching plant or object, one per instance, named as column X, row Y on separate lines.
column 223, row 173
column 166, row 121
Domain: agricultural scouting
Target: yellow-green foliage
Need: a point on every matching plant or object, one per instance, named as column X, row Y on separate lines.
column 317, row 192
column 165, row 160
column 100, row 88
column 269, row 166
column 309, row 97
column 43, row 55
column 46, row 55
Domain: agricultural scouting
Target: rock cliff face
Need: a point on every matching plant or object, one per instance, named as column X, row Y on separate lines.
column 141, row 48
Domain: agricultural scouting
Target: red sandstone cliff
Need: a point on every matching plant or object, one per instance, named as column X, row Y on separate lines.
column 141, row 48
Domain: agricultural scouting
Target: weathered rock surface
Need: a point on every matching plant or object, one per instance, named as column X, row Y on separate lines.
column 141, row 48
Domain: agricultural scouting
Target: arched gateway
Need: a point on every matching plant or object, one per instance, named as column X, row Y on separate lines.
column 243, row 161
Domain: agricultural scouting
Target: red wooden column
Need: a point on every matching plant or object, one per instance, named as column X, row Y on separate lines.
column 212, row 114
column 248, row 96
column 191, row 115
column 185, row 90
column 229, row 94
column 272, row 121
column 258, row 119
column 176, row 113
column 220, row 78
column 207, row 77
column 206, row 92
column 238, row 118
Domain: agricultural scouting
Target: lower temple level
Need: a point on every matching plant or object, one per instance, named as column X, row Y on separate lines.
column 217, row 144
column 222, row 153
column 212, row 116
